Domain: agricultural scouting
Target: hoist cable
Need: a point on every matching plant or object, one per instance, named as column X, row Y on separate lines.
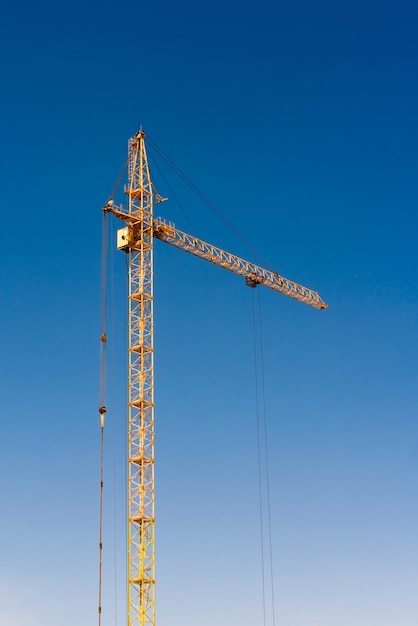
column 102, row 395
column 105, row 250
column 260, row 494
column 102, row 411
column 208, row 203
column 263, row 394
column 113, row 413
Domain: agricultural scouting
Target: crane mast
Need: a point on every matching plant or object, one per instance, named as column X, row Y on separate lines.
column 136, row 238
column 141, row 551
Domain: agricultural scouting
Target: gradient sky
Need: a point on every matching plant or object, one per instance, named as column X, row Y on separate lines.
column 299, row 122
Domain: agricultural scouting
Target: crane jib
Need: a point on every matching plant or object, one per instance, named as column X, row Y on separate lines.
column 253, row 274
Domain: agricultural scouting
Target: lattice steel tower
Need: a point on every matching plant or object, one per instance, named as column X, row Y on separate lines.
column 141, row 553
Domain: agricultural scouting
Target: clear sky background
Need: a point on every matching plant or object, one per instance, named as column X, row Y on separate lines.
column 299, row 121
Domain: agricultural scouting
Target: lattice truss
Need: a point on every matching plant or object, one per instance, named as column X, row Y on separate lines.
column 141, row 553
column 254, row 274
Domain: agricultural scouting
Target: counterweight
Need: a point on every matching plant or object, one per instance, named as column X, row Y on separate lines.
column 137, row 240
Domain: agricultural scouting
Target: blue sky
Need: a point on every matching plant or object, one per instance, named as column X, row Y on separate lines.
column 298, row 121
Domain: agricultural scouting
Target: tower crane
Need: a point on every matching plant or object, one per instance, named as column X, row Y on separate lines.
column 136, row 239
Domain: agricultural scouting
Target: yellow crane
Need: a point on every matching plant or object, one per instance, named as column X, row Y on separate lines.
column 136, row 239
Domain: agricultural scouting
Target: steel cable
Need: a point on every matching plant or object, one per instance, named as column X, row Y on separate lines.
column 263, row 394
column 260, row 491
column 206, row 201
column 262, row 458
column 102, row 394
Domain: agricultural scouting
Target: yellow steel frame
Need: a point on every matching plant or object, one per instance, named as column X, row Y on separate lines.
column 141, row 552
column 137, row 240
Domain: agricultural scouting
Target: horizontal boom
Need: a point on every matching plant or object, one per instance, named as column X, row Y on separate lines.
column 254, row 274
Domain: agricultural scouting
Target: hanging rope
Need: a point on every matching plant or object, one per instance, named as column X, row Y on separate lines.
column 102, row 395
column 102, row 412
column 262, row 456
column 113, row 414
column 107, row 306
column 263, row 391
column 260, row 490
